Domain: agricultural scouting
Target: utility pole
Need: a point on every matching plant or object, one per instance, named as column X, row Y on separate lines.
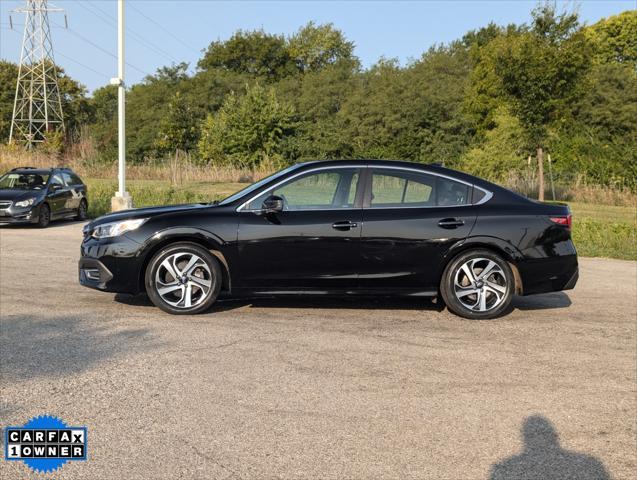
column 37, row 106
column 122, row 199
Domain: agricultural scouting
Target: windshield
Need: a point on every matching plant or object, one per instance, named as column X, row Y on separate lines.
column 255, row 186
column 23, row 181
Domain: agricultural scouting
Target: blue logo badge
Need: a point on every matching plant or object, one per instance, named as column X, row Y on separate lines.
column 45, row 443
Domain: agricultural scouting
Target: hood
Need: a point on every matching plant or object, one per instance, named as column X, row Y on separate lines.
column 146, row 212
column 15, row 194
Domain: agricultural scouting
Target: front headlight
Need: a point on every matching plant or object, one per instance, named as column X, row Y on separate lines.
column 114, row 229
column 25, row 203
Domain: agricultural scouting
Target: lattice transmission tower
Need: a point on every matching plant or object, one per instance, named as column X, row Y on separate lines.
column 37, row 108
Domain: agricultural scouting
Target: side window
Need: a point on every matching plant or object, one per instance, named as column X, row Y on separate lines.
column 450, row 193
column 56, row 180
column 399, row 188
column 326, row 189
column 402, row 188
column 71, row 179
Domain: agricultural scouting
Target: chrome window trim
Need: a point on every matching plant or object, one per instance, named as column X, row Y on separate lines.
column 488, row 194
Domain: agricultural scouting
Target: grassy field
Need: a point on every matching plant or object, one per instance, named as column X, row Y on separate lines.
column 598, row 230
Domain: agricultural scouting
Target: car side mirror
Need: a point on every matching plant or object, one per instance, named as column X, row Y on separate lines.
column 272, row 204
column 54, row 187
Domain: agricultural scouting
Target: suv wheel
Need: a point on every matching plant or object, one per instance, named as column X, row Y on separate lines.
column 81, row 210
column 183, row 278
column 478, row 284
column 45, row 216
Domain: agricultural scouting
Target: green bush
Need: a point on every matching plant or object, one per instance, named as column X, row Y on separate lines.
column 594, row 238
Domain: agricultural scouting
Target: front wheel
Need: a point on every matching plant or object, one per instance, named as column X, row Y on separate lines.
column 45, row 216
column 478, row 284
column 183, row 278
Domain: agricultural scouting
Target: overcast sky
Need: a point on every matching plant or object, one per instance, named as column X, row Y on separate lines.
column 163, row 32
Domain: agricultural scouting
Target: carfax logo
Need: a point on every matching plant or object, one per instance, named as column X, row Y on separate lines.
column 45, row 443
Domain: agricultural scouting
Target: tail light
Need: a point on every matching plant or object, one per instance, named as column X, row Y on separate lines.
column 566, row 220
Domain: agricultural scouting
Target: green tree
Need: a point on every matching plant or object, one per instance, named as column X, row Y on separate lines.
column 540, row 71
column 8, row 78
column 615, row 38
column 247, row 131
column 255, row 53
column 178, row 128
column 314, row 47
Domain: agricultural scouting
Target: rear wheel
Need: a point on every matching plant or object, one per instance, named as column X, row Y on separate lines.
column 183, row 278
column 45, row 216
column 478, row 284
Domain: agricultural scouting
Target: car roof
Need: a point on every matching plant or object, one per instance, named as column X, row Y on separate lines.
column 39, row 171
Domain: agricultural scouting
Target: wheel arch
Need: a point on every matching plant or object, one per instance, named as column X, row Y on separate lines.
column 210, row 242
column 504, row 249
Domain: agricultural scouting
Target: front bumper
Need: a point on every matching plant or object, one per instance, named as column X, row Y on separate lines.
column 17, row 216
column 94, row 274
column 111, row 265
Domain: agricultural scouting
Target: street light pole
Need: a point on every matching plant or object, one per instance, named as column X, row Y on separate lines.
column 122, row 199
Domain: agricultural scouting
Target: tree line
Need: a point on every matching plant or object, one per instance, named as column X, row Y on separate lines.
column 484, row 103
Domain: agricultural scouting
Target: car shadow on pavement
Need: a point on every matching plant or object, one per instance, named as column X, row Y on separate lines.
column 36, row 346
column 542, row 302
column 301, row 302
column 544, row 459
column 535, row 302
column 53, row 224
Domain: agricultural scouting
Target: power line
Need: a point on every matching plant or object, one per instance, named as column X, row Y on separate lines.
column 111, row 54
column 57, row 52
column 163, row 28
column 143, row 41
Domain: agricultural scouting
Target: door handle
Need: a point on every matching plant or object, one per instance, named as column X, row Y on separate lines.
column 450, row 223
column 344, row 225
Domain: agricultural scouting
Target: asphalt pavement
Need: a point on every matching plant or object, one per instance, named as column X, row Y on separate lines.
column 319, row 388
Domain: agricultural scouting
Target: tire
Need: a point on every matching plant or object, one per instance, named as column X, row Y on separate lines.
column 469, row 295
column 45, row 216
column 82, row 210
column 185, row 292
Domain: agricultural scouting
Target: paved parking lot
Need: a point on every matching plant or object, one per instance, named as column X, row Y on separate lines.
column 352, row 388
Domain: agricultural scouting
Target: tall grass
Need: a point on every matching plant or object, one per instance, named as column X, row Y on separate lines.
column 178, row 169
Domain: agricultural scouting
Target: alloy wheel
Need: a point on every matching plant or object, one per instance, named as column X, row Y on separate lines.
column 480, row 284
column 183, row 280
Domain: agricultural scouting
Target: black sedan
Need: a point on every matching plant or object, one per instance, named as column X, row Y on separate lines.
column 365, row 227
column 39, row 195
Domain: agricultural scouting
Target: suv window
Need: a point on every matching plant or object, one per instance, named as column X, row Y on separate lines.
column 71, row 178
column 326, row 189
column 399, row 188
column 56, row 180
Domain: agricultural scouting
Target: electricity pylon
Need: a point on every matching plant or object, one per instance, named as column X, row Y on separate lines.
column 37, row 108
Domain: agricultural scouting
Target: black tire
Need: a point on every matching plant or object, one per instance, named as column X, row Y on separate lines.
column 496, row 290
column 190, row 287
column 45, row 216
column 82, row 210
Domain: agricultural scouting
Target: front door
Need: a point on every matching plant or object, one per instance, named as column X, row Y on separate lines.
column 314, row 243
column 410, row 220
column 57, row 196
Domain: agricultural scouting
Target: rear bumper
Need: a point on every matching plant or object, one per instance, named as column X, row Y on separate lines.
column 551, row 274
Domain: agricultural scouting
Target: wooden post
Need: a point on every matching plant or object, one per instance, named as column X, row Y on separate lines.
column 540, row 174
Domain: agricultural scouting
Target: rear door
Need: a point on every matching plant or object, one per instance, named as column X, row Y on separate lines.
column 410, row 219
column 75, row 188
column 314, row 243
